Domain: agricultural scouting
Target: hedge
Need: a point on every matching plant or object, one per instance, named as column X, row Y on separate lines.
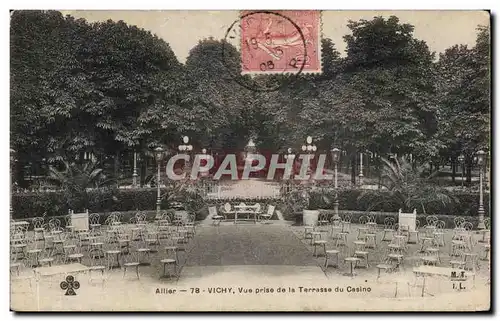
column 25, row 205
column 32, row 204
column 467, row 204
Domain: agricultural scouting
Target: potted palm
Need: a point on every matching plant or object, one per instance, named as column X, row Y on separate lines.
column 299, row 199
column 406, row 186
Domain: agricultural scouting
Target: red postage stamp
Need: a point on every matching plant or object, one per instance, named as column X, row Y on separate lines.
column 287, row 41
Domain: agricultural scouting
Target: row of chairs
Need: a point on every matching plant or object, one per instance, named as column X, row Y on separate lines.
column 109, row 242
column 431, row 238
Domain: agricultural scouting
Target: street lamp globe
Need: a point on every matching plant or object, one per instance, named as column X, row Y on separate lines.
column 314, row 148
column 304, row 148
column 309, row 139
column 189, row 148
column 480, row 157
column 185, row 139
column 159, row 153
column 204, row 151
column 309, row 148
column 335, row 154
column 181, row 147
column 461, row 158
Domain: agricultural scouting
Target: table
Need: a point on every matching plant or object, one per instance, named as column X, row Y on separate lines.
column 20, row 223
column 61, row 269
column 352, row 261
column 426, row 270
column 245, row 209
column 23, row 225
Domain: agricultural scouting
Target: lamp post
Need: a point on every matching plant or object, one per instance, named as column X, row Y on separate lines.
column 309, row 148
column 289, row 155
column 185, row 147
column 480, row 211
column 360, row 169
column 335, row 158
column 159, row 157
column 134, row 175
column 461, row 159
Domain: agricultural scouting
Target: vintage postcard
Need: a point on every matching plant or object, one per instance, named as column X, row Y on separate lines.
column 251, row 160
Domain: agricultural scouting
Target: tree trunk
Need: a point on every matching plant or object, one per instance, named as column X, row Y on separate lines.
column 469, row 172
column 353, row 169
column 379, row 171
column 453, row 170
column 143, row 169
column 116, row 164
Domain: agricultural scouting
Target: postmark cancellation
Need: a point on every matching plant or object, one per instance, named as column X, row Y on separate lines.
column 287, row 41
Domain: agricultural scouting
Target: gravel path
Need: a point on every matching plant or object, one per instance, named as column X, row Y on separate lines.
column 248, row 244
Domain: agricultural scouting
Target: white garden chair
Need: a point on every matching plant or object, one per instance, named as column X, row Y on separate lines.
column 265, row 218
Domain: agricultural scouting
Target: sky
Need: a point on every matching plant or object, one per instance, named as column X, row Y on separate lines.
column 183, row 29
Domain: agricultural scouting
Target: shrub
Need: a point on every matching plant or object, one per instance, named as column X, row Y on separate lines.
column 349, row 200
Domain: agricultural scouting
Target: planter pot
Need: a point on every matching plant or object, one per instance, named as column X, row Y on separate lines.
column 310, row 217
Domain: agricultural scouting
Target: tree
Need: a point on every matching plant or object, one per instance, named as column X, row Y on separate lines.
column 287, row 116
column 391, row 73
column 104, row 87
column 217, row 107
column 464, row 97
column 42, row 83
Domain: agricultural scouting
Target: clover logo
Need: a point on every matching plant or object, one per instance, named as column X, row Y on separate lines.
column 70, row 285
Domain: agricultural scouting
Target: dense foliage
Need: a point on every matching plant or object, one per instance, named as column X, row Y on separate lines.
column 109, row 89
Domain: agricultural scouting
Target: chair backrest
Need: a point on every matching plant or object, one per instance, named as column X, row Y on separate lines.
column 113, row 218
column 94, row 218
column 54, row 224
column 37, row 222
column 212, row 210
column 459, row 221
column 440, row 225
column 242, row 204
column 227, row 207
column 17, row 235
column 67, row 219
column 487, row 223
column 363, row 219
column 257, row 207
column 165, row 221
column 96, row 257
column 431, row 220
column 132, row 257
column 372, row 218
column 141, row 217
column 347, row 218
column 270, row 209
column 389, row 222
column 468, row 226
column 401, row 228
column 159, row 215
column 336, row 223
